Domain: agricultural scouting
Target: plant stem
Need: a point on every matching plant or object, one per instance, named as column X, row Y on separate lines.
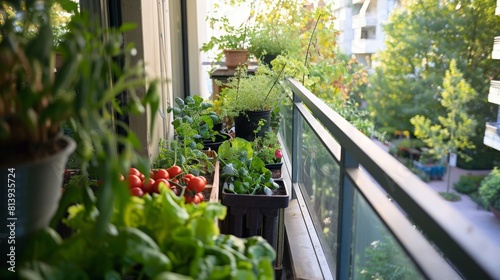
column 309, row 45
column 275, row 81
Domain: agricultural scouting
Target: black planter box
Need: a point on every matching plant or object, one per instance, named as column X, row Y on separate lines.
column 275, row 169
column 261, row 215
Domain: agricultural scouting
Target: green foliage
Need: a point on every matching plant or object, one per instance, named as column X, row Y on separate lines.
column 468, row 184
column 242, row 171
column 184, row 153
column 259, row 92
column 386, row 260
column 270, row 39
column 490, row 188
column 158, row 235
column 423, row 37
column 452, row 133
column 450, row 196
column 232, row 38
column 199, row 116
column 267, row 148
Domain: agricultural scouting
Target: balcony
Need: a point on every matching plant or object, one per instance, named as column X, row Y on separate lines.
column 491, row 136
column 364, row 46
column 352, row 200
column 364, row 20
column 496, row 48
column 494, row 94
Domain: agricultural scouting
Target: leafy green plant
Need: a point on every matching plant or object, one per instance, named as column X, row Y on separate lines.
column 36, row 102
column 198, row 114
column 259, row 92
column 156, row 236
column 232, row 37
column 243, row 172
column 268, row 148
column 269, row 39
column 468, row 183
column 490, row 188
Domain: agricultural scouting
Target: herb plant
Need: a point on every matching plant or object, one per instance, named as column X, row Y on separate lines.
column 259, row 92
column 242, row 171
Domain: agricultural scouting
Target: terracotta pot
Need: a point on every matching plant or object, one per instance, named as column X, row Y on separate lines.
column 235, row 58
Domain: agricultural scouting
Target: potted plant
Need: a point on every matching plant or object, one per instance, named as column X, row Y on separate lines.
column 231, row 43
column 35, row 102
column 268, row 149
column 268, row 40
column 253, row 199
column 490, row 191
column 201, row 121
column 249, row 100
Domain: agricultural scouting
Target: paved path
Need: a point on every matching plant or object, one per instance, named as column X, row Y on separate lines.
column 483, row 219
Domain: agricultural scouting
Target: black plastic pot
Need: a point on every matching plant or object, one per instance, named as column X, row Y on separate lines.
column 275, row 169
column 208, row 144
column 246, row 123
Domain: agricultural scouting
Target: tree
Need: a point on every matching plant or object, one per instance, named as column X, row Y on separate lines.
column 423, row 36
column 452, row 134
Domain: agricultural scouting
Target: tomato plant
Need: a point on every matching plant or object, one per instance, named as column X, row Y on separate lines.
column 156, row 185
column 136, row 191
column 196, row 184
column 174, row 171
column 134, row 181
column 148, row 185
column 134, row 171
column 161, row 174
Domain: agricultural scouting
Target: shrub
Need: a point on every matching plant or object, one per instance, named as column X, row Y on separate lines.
column 468, row 184
column 490, row 188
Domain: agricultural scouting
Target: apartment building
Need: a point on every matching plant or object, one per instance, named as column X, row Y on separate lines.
column 361, row 25
column 492, row 132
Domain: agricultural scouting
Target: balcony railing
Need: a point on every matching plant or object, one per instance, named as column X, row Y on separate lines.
column 494, row 94
column 365, row 212
column 364, row 46
column 362, row 20
column 496, row 48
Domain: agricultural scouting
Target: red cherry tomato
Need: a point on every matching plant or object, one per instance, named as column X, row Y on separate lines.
column 134, row 171
column 148, row 185
column 134, row 181
column 156, row 185
column 189, row 176
column 151, row 174
column 142, row 176
column 201, row 196
column 174, row 171
column 136, row 191
column 204, row 179
column 196, row 199
column 161, row 174
column 196, row 184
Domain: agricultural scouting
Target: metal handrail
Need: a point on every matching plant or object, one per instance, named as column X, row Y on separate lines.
column 467, row 251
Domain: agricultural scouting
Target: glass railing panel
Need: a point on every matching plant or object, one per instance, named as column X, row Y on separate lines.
column 318, row 176
column 376, row 253
column 286, row 124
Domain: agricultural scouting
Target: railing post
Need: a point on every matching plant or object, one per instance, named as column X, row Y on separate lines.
column 345, row 216
column 296, row 141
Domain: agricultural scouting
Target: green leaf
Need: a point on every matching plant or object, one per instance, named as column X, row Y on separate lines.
column 128, row 26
